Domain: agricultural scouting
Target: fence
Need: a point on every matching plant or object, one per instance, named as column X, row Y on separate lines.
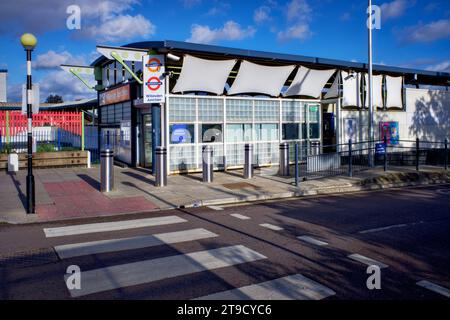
column 351, row 158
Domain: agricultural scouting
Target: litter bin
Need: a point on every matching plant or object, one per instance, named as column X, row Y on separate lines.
column 106, row 170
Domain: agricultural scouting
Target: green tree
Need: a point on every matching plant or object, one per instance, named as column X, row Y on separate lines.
column 54, row 99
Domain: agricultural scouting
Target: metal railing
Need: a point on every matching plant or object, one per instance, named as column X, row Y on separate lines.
column 353, row 157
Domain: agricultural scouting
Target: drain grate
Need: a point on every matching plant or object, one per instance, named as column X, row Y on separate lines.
column 28, row 258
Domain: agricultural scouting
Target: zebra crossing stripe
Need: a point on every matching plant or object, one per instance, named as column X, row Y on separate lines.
column 110, row 226
column 131, row 274
column 113, row 245
column 434, row 287
column 312, row 240
column 367, row 261
column 271, row 226
column 240, row 216
column 294, row 287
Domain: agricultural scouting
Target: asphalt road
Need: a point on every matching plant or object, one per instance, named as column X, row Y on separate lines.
column 192, row 253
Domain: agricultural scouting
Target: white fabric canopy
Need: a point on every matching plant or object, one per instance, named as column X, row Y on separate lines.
column 255, row 78
column 352, row 89
column 333, row 91
column 394, row 92
column 377, row 91
column 309, row 82
column 203, row 75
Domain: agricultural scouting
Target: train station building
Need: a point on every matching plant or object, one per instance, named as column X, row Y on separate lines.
column 224, row 97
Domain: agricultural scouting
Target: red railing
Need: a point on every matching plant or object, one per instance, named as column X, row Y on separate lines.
column 17, row 122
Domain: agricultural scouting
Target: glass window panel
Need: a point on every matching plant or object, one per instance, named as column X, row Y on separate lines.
column 118, row 112
column 292, row 111
column 210, row 109
column 314, row 130
column 238, row 132
column 181, row 133
column 290, row 131
column 211, row 132
column 266, row 131
column 239, row 110
column 314, row 112
column 182, row 109
column 266, row 110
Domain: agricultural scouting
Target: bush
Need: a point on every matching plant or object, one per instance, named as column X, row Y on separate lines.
column 47, row 147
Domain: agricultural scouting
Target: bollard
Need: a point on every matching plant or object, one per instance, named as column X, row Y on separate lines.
column 207, row 164
column 417, row 154
column 106, row 170
column 248, row 161
column 161, row 167
column 284, row 159
column 350, row 158
column 385, row 153
column 296, row 164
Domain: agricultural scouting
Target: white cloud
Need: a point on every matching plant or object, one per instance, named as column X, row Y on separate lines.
column 298, row 14
column 261, row 15
column 298, row 10
column 443, row 66
column 121, row 27
column 48, row 15
column 220, row 9
column 430, row 32
column 230, row 31
column 64, row 84
column 299, row 31
column 395, row 8
column 52, row 60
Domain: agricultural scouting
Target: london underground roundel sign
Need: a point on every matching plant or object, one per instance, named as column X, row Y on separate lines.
column 153, row 64
column 153, row 88
column 153, row 83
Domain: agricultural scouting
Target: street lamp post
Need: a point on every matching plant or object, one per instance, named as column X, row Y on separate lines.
column 369, row 88
column 29, row 42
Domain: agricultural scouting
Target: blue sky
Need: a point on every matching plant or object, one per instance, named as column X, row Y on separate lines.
column 413, row 33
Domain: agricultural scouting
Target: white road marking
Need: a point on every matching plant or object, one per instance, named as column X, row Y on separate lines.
column 110, row 226
column 312, row 240
column 215, row 208
column 131, row 274
column 434, row 287
column 294, row 287
column 271, row 226
column 367, row 261
column 383, row 228
column 240, row 216
column 113, row 245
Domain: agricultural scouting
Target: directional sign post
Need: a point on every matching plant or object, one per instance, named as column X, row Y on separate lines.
column 154, row 86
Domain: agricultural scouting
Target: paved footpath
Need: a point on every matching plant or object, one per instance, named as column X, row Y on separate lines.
column 69, row 193
column 305, row 249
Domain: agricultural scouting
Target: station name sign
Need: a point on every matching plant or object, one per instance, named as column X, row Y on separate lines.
column 153, row 77
column 115, row 95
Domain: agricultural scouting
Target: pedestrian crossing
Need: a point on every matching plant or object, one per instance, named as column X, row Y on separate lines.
column 103, row 278
column 148, row 271
column 294, row 287
column 114, row 245
column 110, row 226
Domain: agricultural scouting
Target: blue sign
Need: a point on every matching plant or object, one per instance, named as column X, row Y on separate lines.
column 380, row 148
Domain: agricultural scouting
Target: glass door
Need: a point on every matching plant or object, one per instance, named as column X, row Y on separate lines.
column 147, row 135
